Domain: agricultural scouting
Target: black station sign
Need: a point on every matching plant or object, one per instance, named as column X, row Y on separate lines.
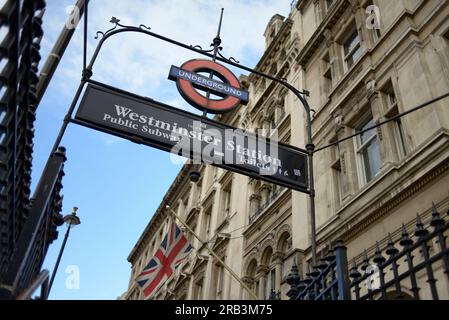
column 146, row 121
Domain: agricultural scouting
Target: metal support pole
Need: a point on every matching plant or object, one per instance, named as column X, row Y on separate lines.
column 344, row 292
column 55, row 269
column 310, row 149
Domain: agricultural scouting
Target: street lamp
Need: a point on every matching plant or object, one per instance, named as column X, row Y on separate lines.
column 71, row 220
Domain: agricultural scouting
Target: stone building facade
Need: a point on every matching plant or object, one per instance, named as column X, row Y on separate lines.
column 366, row 187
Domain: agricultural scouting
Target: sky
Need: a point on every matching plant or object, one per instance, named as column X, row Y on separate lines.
column 118, row 185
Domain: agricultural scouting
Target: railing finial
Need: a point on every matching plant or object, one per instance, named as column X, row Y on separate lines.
column 436, row 218
column 420, row 230
column 391, row 249
column 405, row 237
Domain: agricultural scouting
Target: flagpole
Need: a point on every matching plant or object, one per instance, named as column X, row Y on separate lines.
column 236, row 277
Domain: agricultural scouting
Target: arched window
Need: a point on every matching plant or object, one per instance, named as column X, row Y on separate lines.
column 284, row 245
column 198, row 288
column 253, row 284
column 270, row 276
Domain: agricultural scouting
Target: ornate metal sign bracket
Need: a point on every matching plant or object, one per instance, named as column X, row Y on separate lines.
column 216, row 55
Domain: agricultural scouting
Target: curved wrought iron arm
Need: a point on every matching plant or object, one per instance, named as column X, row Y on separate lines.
column 87, row 73
column 231, row 61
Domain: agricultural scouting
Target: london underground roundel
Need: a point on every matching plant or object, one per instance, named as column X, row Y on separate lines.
column 198, row 79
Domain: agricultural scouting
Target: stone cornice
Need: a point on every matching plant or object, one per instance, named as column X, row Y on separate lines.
column 280, row 37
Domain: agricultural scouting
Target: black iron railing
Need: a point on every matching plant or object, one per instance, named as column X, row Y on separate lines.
column 27, row 227
column 410, row 262
column 408, row 268
column 19, row 54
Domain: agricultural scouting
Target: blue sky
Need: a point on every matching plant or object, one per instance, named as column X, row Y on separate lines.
column 116, row 184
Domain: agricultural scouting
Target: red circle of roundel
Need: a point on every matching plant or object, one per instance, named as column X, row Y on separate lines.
column 197, row 100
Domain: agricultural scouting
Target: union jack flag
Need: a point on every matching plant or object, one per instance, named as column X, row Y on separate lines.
column 173, row 250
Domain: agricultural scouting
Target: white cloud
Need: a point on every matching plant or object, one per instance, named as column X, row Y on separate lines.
column 180, row 103
column 139, row 63
column 111, row 140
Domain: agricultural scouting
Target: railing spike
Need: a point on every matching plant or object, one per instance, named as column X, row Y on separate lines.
column 436, row 218
column 330, row 252
column 293, row 279
column 354, row 272
column 420, row 230
column 322, row 262
column 307, row 278
column 378, row 258
column 365, row 263
column 405, row 238
column 391, row 249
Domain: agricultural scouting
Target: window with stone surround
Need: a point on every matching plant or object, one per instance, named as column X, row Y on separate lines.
column 218, row 281
column 351, row 47
column 185, row 201
column 368, row 151
column 285, row 245
column 392, row 110
column 192, row 222
column 198, row 289
column 269, row 282
column 327, row 74
column 337, row 174
column 225, row 210
column 207, row 217
column 260, row 87
column 251, row 280
column 276, row 115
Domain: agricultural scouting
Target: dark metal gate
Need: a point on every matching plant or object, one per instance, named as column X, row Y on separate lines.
column 27, row 225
